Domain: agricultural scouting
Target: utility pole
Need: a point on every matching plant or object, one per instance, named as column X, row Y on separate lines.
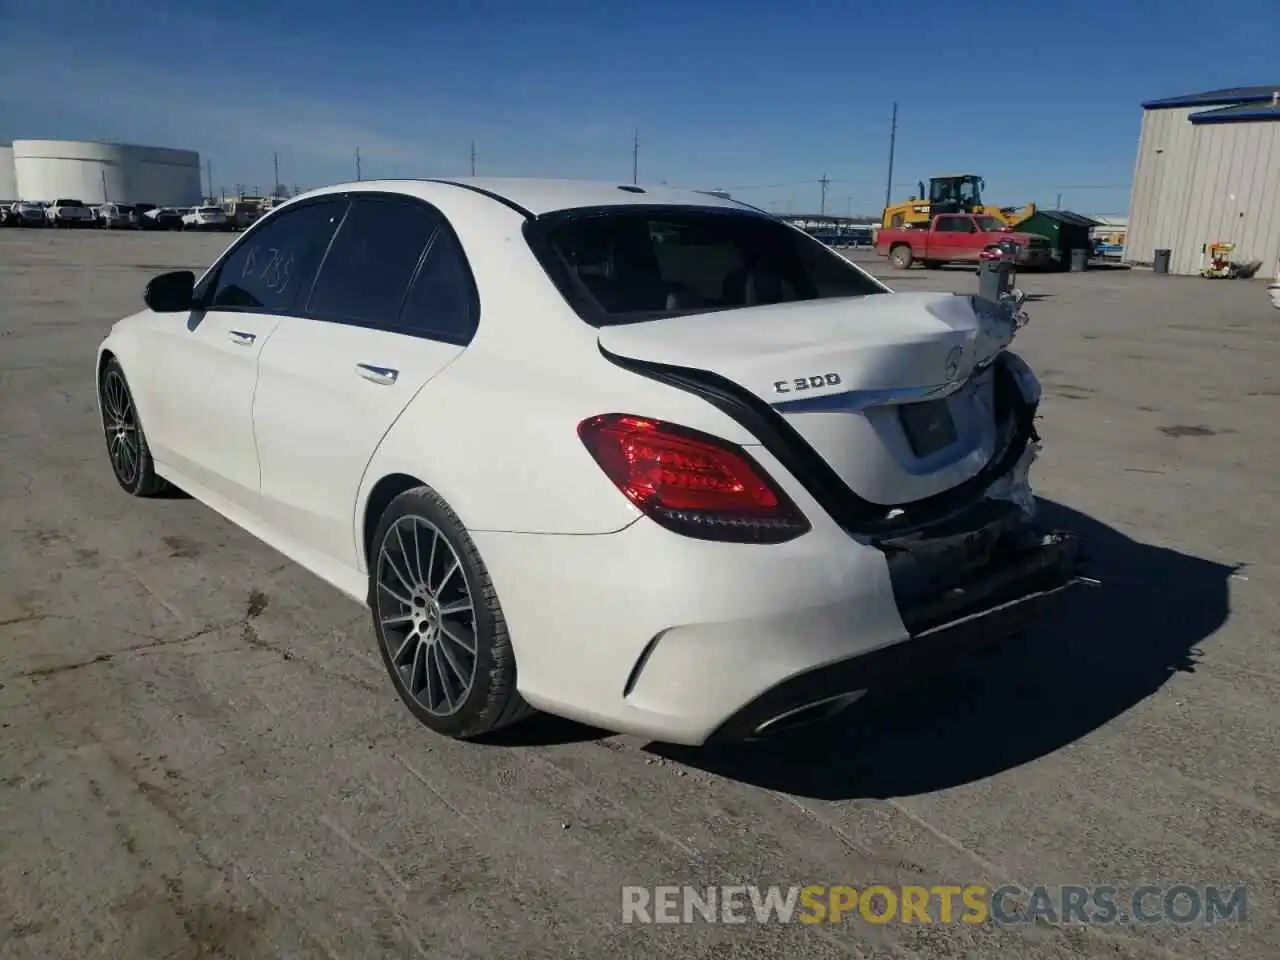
column 105, row 196
column 208, row 166
column 473, row 158
column 357, row 163
column 635, row 157
column 275, row 173
column 1059, row 204
column 824, row 181
column 893, row 136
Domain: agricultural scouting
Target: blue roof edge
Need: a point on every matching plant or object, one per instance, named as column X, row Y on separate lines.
column 1237, row 113
column 1215, row 98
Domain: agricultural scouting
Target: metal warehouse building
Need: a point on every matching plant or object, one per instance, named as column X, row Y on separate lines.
column 1208, row 171
column 100, row 172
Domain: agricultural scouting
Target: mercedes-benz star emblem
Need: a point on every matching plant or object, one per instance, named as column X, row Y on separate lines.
column 953, row 362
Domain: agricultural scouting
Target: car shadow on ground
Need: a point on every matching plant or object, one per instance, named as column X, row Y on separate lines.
column 1104, row 650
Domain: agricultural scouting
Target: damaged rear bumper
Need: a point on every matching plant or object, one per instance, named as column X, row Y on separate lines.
column 1016, row 578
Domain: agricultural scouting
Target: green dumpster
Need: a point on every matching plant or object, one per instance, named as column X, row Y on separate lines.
column 1065, row 231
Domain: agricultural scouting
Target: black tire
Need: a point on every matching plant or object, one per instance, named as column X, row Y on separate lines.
column 120, row 424
column 901, row 257
column 491, row 701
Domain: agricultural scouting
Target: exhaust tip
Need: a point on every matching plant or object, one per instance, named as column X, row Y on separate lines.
column 809, row 713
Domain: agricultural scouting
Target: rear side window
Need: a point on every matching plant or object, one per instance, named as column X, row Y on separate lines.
column 275, row 264
column 623, row 265
column 442, row 303
column 367, row 272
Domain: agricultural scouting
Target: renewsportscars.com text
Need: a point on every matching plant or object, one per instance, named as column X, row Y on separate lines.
column 970, row 903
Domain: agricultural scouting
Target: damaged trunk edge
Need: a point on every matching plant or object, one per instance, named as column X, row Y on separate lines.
column 1005, row 476
column 970, row 558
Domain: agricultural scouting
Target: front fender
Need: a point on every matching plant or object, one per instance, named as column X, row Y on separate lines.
column 125, row 341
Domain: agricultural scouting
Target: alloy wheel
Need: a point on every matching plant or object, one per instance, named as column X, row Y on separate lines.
column 120, row 422
column 425, row 609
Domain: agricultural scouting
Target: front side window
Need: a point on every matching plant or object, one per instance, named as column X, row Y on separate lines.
column 373, row 258
column 624, row 265
column 955, row 225
column 276, row 263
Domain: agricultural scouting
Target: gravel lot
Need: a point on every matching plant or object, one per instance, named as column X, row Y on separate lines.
column 201, row 755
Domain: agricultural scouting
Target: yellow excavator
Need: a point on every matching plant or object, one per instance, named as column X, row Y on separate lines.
column 957, row 193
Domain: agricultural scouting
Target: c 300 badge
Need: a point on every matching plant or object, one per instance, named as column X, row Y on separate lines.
column 795, row 384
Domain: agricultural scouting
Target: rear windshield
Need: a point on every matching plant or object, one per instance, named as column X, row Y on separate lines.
column 67, row 203
column 626, row 265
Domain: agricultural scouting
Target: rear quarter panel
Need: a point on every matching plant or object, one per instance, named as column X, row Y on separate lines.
column 496, row 433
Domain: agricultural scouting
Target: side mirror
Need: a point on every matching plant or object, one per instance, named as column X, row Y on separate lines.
column 171, row 292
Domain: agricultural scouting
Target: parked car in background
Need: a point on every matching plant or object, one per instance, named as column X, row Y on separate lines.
column 163, row 218
column 242, row 213
column 66, row 212
column 28, row 214
column 114, row 216
column 206, row 218
column 138, row 216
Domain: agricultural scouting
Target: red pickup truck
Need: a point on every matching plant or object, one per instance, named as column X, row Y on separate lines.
column 957, row 238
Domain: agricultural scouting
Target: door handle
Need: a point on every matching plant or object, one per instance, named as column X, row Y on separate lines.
column 383, row 375
column 242, row 339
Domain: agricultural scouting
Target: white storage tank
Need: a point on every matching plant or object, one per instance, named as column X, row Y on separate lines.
column 8, row 183
column 95, row 172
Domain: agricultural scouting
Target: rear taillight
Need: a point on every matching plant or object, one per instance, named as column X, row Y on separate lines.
column 691, row 483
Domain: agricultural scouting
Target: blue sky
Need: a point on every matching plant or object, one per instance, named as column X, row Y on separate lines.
column 762, row 98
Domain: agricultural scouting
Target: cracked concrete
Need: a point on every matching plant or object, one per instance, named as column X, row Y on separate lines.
column 200, row 754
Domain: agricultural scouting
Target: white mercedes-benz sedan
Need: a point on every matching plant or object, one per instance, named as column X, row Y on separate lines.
column 648, row 459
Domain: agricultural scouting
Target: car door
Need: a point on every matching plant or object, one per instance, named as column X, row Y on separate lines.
column 205, row 364
column 394, row 303
column 967, row 242
column 943, row 239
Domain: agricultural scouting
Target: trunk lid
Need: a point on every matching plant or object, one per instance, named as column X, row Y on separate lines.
column 894, row 391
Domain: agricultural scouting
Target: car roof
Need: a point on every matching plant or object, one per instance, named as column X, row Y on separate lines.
column 537, row 196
